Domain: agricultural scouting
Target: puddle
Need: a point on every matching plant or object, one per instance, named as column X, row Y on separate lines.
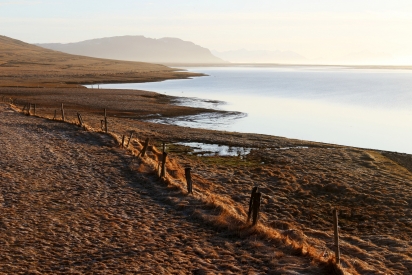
column 207, row 149
column 204, row 149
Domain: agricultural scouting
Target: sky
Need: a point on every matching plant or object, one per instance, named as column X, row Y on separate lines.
column 319, row 30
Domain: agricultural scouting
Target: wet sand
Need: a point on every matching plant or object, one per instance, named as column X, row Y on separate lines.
column 301, row 183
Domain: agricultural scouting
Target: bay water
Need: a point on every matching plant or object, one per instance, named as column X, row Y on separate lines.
column 368, row 108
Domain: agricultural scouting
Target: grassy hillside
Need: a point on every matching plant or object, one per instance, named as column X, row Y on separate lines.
column 26, row 65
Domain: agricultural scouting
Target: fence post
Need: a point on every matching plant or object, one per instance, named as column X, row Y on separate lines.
column 256, row 208
column 123, row 141
column 335, row 229
column 254, row 190
column 79, row 117
column 189, row 180
column 105, row 120
column 163, row 172
column 130, row 138
column 28, row 109
column 55, row 114
column 34, row 109
column 146, row 144
column 62, row 109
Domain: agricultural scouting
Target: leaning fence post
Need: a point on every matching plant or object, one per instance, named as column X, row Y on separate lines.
column 254, row 190
column 146, row 144
column 62, row 110
column 256, row 207
column 105, row 120
column 123, row 141
column 130, row 138
column 79, row 117
column 163, row 171
column 335, row 228
column 189, row 180
column 28, row 109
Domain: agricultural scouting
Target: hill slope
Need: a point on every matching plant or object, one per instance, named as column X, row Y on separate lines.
column 23, row 64
column 139, row 48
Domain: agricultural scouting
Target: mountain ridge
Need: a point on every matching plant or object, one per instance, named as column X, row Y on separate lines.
column 138, row 48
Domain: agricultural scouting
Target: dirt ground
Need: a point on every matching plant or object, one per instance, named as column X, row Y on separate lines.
column 301, row 183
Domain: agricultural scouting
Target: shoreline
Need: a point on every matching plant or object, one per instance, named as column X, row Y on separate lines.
column 127, row 105
column 335, row 123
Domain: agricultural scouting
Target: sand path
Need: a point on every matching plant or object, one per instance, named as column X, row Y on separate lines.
column 70, row 205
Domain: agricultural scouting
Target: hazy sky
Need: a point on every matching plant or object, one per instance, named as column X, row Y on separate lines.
column 313, row 28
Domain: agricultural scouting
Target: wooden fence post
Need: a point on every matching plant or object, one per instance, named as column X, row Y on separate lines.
column 189, row 180
column 28, row 108
column 335, row 229
column 34, row 109
column 256, row 208
column 163, row 171
column 62, row 110
column 130, row 138
column 146, row 144
column 55, row 114
column 105, row 120
column 79, row 117
column 123, row 141
column 254, row 190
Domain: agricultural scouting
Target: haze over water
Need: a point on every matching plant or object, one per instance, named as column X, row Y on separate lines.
column 355, row 107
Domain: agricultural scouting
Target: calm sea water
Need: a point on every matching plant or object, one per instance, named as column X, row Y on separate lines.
column 356, row 107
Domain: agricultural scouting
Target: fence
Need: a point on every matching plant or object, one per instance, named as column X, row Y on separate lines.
column 255, row 197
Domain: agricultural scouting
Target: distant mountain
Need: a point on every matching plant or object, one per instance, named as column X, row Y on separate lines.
column 245, row 56
column 139, row 48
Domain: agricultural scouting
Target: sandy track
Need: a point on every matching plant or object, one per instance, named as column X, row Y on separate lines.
column 70, row 204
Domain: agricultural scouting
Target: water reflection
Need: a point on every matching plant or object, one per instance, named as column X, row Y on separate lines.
column 362, row 108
